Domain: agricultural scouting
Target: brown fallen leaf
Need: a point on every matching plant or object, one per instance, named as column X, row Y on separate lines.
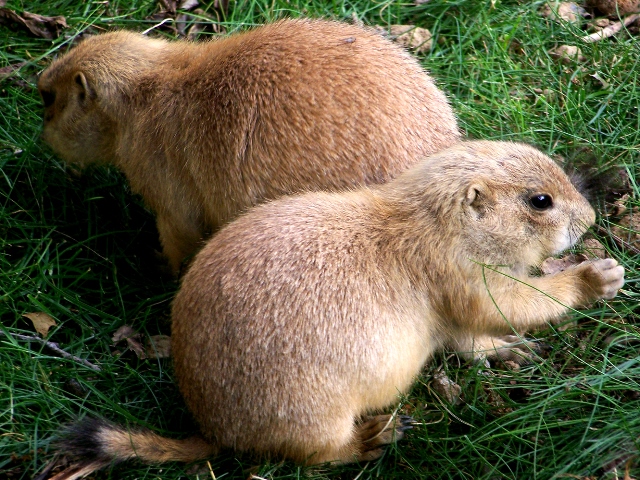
column 416, row 38
column 6, row 73
column 197, row 24
column 9, row 69
column 133, row 340
column 191, row 24
column 619, row 207
column 446, row 388
column 599, row 23
column 628, row 228
column 594, row 249
column 170, row 6
column 564, row 11
column 188, row 4
column 42, row 322
column 555, row 265
column 39, row 25
column 159, row 346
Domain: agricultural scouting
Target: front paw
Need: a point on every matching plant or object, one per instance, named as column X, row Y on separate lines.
column 601, row 279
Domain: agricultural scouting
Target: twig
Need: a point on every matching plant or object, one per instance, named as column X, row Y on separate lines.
column 611, row 29
column 52, row 346
column 620, row 241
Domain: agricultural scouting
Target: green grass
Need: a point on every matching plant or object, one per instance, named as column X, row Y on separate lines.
column 83, row 249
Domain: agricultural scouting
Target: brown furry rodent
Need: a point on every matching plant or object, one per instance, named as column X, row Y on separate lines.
column 309, row 313
column 205, row 130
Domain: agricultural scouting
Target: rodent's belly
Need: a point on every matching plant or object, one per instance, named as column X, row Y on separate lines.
column 393, row 373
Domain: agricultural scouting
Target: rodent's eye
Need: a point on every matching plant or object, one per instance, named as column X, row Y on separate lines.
column 541, row 201
column 48, row 98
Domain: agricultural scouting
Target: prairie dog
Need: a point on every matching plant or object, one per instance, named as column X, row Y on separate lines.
column 205, row 130
column 309, row 313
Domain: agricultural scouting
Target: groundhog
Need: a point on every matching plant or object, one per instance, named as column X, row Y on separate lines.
column 205, row 130
column 308, row 314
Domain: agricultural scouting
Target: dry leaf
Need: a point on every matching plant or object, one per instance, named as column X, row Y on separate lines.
column 593, row 248
column 123, row 333
column 555, row 265
column 39, row 25
column 567, row 54
column 188, row 4
column 159, row 346
column 566, row 11
column 42, row 322
column 619, row 206
column 446, row 387
column 416, row 38
column 9, row 69
column 133, row 340
column 169, row 6
column 182, row 20
column 600, row 23
column 6, row 74
column 628, row 227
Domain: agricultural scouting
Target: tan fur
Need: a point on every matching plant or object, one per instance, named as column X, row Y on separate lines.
column 309, row 313
column 152, row 448
column 205, row 130
column 109, row 444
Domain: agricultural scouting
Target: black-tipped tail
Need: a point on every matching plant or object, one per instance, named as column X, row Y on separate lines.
column 92, row 444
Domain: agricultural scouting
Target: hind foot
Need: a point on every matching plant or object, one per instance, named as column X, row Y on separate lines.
column 378, row 432
column 366, row 443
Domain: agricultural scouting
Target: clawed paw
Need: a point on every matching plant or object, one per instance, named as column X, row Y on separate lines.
column 380, row 431
column 603, row 278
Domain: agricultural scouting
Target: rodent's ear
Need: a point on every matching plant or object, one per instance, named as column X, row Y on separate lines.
column 85, row 89
column 476, row 199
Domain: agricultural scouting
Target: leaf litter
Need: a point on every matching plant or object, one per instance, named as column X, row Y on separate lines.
column 42, row 322
column 156, row 346
column 184, row 20
column 39, row 25
column 571, row 13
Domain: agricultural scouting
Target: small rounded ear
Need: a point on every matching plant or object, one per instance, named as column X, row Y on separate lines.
column 85, row 88
column 476, row 199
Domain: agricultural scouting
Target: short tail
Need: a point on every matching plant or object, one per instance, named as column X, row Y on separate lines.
column 94, row 444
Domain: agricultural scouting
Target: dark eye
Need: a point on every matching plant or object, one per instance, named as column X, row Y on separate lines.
column 541, row 201
column 48, row 98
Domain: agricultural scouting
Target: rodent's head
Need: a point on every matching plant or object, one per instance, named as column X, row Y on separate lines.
column 82, row 92
column 510, row 203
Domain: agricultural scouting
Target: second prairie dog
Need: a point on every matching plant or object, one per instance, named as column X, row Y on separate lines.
column 205, row 130
column 304, row 316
